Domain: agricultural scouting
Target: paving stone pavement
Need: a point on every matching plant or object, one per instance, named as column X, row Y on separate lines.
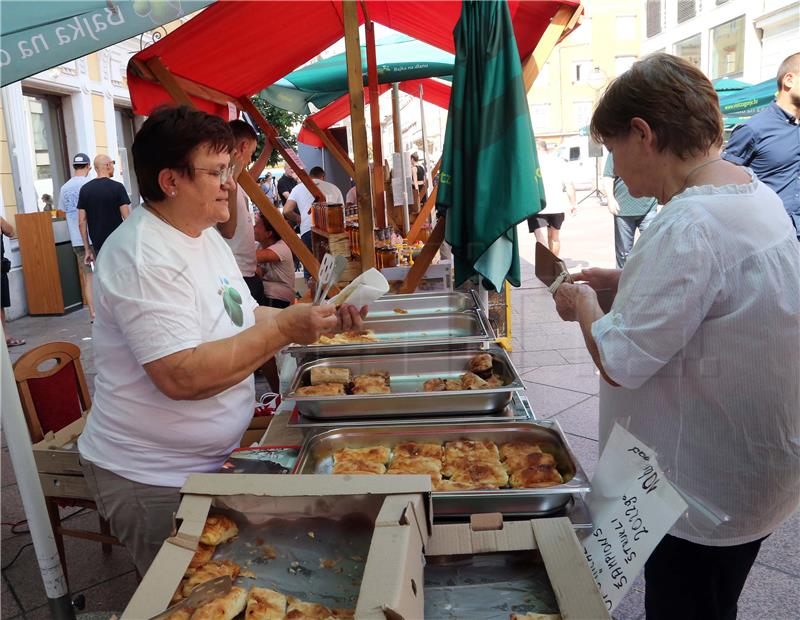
column 561, row 384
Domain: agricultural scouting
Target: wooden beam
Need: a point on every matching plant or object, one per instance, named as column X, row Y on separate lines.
column 355, row 85
column 272, row 136
column 258, row 167
column 331, row 145
column 425, row 258
column 190, row 88
column 427, row 208
column 168, row 81
column 552, row 34
column 339, row 148
column 281, row 226
column 379, row 204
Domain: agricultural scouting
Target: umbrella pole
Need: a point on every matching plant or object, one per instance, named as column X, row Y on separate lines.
column 379, row 205
column 18, row 440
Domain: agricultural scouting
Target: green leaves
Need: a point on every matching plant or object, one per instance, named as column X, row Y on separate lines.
column 232, row 302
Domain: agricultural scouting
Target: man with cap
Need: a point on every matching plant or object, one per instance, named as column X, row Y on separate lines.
column 68, row 202
column 102, row 205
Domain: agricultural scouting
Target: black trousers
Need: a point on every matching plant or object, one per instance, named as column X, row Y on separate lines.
column 256, row 289
column 693, row 582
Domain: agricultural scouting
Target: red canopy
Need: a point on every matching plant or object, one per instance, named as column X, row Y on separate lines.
column 433, row 91
column 238, row 48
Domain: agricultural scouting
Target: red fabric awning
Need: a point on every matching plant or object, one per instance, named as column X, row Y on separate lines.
column 230, row 48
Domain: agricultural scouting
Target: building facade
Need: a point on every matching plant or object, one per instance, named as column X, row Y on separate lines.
column 739, row 39
column 606, row 43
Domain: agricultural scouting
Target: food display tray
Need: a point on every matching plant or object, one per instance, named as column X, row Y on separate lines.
column 442, row 302
column 518, row 410
column 408, row 333
column 407, row 375
column 316, row 457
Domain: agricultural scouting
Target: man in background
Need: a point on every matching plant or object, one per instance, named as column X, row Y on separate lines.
column 298, row 207
column 285, row 185
column 629, row 213
column 418, row 179
column 102, row 205
column 68, row 202
column 546, row 225
column 769, row 142
column 238, row 230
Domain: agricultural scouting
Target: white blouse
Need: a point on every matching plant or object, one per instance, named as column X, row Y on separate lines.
column 704, row 340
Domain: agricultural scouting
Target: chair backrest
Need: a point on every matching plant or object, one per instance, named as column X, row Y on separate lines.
column 55, row 397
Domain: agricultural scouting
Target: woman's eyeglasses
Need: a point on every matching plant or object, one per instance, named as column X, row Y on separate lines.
column 224, row 174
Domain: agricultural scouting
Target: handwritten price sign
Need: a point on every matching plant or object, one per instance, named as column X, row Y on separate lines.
column 633, row 506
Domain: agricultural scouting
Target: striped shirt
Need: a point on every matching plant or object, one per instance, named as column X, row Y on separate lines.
column 704, row 340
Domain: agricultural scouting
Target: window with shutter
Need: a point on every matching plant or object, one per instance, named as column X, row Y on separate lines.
column 654, row 17
column 686, row 10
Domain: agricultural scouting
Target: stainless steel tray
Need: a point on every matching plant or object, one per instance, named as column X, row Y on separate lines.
column 316, row 457
column 442, row 302
column 518, row 410
column 403, row 333
column 407, row 375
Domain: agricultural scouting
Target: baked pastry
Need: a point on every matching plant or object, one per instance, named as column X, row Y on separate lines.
column 482, row 449
column 323, row 389
column 218, row 529
column 328, row 374
column 209, row 571
column 376, row 454
column 184, row 613
column 358, row 466
column 471, row 381
column 265, row 604
column 451, row 385
column 481, row 365
column 300, row 610
column 224, row 608
column 518, row 448
column 201, row 556
column 416, row 465
column 353, row 337
column 450, row 485
column 524, row 461
column 371, row 388
column 494, row 381
column 407, row 449
column 481, row 474
column 533, row 477
column 434, row 385
column 343, row 613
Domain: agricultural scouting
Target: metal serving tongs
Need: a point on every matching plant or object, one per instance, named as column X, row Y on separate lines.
column 330, row 270
column 202, row 594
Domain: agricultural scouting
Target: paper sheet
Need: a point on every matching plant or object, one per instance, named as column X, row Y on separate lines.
column 366, row 288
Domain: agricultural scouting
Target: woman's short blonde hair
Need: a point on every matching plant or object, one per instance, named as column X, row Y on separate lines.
column 673, row 96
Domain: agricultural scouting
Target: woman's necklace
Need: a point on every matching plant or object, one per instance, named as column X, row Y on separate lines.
column 157, row 213
column 691, row 172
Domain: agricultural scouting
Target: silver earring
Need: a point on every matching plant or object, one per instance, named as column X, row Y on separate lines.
column 173, row 193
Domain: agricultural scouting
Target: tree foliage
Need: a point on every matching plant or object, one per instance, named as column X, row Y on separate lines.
column 282, row 121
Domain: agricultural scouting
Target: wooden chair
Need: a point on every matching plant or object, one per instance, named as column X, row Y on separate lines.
column 51, row 399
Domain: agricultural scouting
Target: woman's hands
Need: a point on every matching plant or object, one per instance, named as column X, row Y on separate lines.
column 304, row 323
column 568, row 297
column 599, row 279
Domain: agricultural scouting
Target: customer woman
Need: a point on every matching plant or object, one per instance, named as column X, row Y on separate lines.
column 700, row 353
column 276, row 263
column 177, row 335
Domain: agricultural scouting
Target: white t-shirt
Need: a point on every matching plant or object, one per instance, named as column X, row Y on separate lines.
column 704, row 340
column 553, row 177
column 305, row 199
column 68, row 202
column 158, row 292
column 243, row 242
column 278, row 278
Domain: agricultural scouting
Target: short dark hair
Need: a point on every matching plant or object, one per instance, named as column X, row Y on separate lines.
column 168, row 138
column 791, row 64
column 673, row 96
column 267, row 226
column 79, row 166
column 242, row 131
column 316, row 172
column 414, row 156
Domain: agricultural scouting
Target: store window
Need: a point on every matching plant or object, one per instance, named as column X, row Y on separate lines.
column 626, row 27
column 623, row 63
column 125, row 132
column 689, row 49
column 655, row 17
column 727, row 49
column 540, row 117
column 45, row 125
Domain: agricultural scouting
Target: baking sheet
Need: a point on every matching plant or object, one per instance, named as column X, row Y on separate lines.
column 489, row 586
column 407, row 376
column 316, row 457
column 410, row 333
column 423, row 303
column 296, row 569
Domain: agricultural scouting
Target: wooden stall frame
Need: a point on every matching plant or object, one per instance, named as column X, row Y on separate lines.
column 379, row 202
column 332, row 146
column 425, row 211
column 560, row 25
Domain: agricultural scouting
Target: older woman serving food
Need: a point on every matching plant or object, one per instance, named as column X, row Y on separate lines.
column 177, row 334
column 700, row 352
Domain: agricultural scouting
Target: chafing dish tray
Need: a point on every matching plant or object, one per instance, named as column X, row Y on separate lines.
column 518, row 410
column 411, row 333
column 316, row 457
column 423, row 303
column 407, row 374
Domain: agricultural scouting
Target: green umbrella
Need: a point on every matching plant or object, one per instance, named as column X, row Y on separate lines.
column 490, row 179
column 399, row 58
column 748, row 101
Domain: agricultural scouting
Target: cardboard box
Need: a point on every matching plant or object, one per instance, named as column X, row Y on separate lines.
column 58, row 464
column 403, row 510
